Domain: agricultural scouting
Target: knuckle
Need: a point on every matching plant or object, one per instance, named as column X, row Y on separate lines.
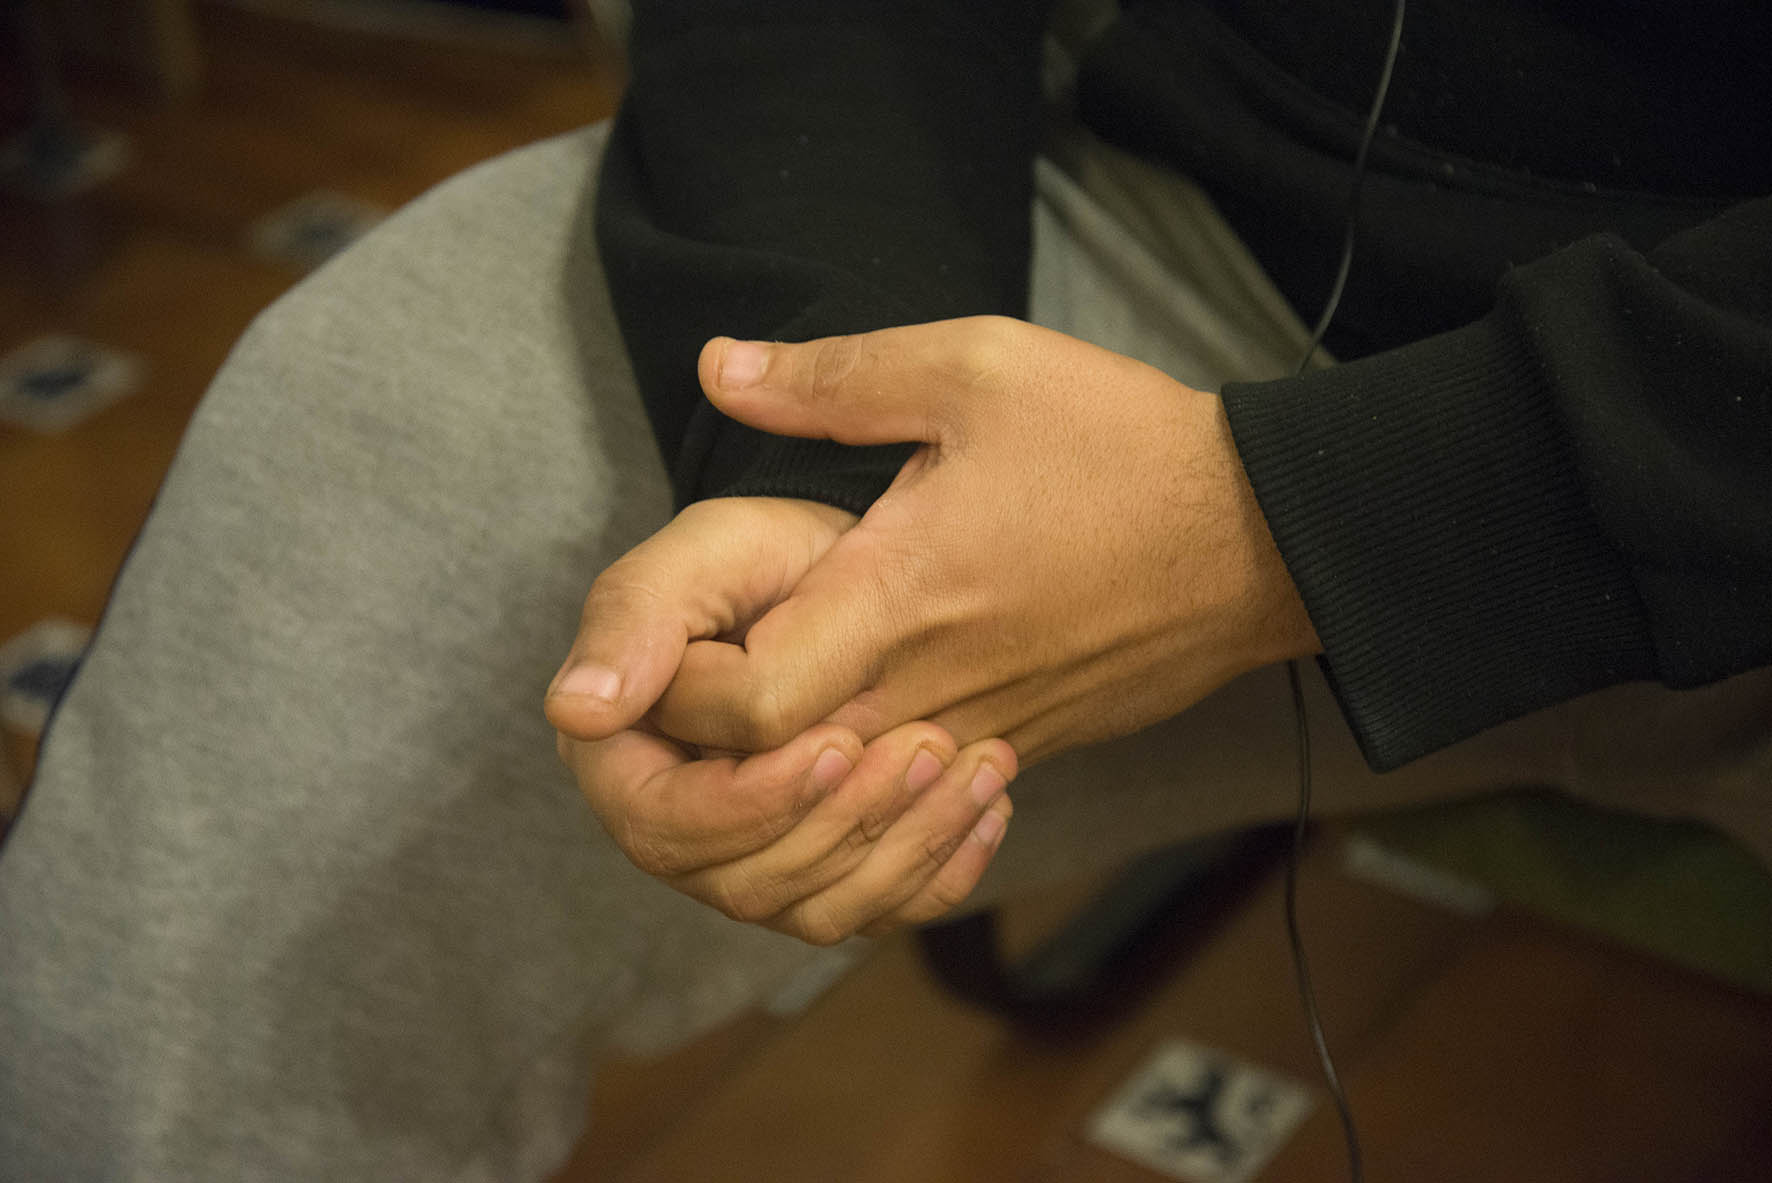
column 871, row 826
column 874, row 816
column 863, row 836
column 940, row 899
column 922, row 911
column 999, row 331
column 646, row 850
column 909, row 916
column 623, row 586
column 739, row 897
column 834, row 360
column 765, row 719
column 938, row 850
column 885, row 926
column 983, row 349
column 819, row 927
column 933, row 736
column 853, row 844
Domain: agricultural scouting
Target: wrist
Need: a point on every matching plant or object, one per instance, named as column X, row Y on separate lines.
column 1268, row 620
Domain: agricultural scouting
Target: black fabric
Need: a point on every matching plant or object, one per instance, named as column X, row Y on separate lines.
column 1573, row 492
column 791, row 169
column 1512, row 499
column 1634, row 95
column 1174, row 83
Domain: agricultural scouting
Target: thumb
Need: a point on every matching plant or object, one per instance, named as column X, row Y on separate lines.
column 808, row 656
column 885, row 387
column 628, row 647
column 713, row 569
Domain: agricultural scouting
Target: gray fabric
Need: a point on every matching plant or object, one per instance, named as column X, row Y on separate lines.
column 301, row 890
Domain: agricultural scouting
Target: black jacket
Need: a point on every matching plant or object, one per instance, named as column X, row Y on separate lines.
column 1550, row 468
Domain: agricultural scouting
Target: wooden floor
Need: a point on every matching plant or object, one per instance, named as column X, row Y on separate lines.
column 1475, row 1049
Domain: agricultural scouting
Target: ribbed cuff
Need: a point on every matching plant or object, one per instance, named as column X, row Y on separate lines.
column 1425, row 503
column 748, row 463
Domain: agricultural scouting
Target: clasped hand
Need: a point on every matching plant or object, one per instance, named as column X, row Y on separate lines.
column 1072, row 553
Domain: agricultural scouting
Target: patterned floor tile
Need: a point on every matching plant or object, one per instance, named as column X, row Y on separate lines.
column 52, row 161
column 57, row 382
column 1200, row 1115
column 313, row 228
column 35, row 667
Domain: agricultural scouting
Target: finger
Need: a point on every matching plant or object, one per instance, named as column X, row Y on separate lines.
column 836, row 834
column 805, row 658
column 889, row 386
column 672, row 815
column 957, row 877
column 713, row 568
column 910, row 854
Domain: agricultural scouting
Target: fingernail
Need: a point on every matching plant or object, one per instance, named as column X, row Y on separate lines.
column 990, row 827
column 592, row 681
column 923, row 772
column 742, row 364
column 830, row 769
column 987, row 782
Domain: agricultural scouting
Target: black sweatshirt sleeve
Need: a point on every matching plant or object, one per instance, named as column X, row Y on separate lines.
column 790, row 169
column 1574, row 491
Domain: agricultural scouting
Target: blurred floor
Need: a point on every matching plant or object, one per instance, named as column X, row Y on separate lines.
column 1476, row 1048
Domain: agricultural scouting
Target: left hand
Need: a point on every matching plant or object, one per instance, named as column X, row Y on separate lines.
column 1073, row 554
column 821, row 838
